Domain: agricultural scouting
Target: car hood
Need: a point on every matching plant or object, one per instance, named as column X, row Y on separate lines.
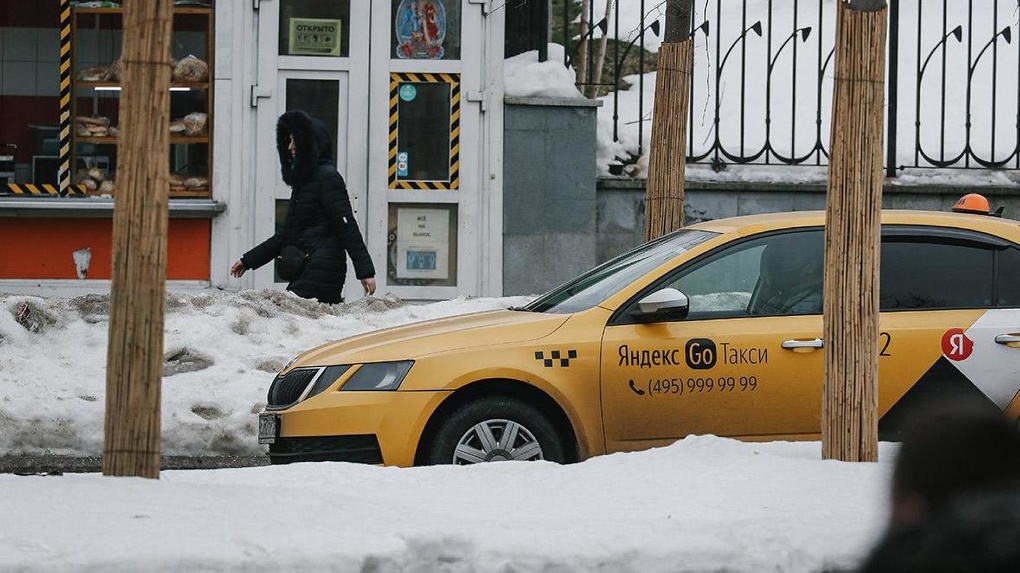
column 434, row 336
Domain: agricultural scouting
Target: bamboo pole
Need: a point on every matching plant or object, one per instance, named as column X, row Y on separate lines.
column 131, row 444
column 852, row 237
column 667, row 156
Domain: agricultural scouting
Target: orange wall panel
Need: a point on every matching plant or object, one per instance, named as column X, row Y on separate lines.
column 43, row 248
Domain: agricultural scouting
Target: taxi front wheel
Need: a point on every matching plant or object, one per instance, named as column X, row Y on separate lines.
column 496, row 429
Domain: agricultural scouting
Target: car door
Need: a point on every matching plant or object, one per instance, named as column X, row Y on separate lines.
column 741, row 364
column 950, row 323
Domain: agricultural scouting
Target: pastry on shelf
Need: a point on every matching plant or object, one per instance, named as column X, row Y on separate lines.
column 177, row 183
column 191, row 70
column 193, row 183
column 109, row 73
column 115, row 70
column 85, row 126
column 95, row 179
column 89, row 183
column 195, row 124
column 94, row 74
column 98, row 174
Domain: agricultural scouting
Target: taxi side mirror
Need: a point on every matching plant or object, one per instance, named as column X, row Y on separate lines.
column 662, row 305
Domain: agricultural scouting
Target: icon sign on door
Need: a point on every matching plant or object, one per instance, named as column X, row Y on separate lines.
column 402, row 164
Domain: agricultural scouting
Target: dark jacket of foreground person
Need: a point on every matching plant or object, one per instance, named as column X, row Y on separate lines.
column 979, row 532
column 320, row 220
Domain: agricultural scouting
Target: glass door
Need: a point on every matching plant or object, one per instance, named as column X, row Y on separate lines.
column 313, row 57
column 427, row 192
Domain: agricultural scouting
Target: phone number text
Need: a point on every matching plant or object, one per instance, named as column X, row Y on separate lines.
column 681, row 386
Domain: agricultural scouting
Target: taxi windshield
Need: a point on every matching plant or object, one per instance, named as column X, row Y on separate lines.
column 607, row 279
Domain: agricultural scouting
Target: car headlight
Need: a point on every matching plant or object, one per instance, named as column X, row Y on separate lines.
column 326, row 378
column 379, row 376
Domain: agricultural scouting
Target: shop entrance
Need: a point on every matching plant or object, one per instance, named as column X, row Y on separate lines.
column 313, row 56
column 405, row 85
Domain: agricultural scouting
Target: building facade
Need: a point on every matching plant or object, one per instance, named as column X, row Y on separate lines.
column 412, row 90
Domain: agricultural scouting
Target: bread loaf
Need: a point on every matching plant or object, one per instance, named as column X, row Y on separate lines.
column 191, row 70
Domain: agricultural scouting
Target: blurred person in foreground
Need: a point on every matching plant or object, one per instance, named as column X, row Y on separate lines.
column 955, row 496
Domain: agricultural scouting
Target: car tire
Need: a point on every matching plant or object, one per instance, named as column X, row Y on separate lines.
column 495, row 429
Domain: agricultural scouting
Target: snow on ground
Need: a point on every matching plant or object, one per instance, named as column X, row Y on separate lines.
column 704, row 504
column 222, row 350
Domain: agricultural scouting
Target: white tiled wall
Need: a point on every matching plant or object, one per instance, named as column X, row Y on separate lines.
column 29, row 61
column 20, row 44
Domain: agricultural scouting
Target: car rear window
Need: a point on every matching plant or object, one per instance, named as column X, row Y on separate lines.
column 935, row 274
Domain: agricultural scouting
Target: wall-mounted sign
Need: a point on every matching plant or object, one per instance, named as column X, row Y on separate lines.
column 314, row 37
column 407, row 92
column 423, row 243
column 402, row 164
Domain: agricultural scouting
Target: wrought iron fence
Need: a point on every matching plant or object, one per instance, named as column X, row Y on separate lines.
column 763, row 72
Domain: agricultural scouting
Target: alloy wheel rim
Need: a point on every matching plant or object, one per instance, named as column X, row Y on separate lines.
column 495, row 441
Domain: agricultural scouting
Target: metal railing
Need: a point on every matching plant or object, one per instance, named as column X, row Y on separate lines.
column 763, row 76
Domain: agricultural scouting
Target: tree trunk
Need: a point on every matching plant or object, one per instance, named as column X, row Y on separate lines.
column 852, row 236
column 582, row 47
column 135, row 349
column 593, row 90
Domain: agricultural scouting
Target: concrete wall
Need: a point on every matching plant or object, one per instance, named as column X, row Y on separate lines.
column 549, row 199
column 621, row 203
column 560, row 219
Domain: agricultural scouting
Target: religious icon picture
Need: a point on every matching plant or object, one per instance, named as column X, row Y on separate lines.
column 421, row 29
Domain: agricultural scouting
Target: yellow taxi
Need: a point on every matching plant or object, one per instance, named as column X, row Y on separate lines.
column 713, row 329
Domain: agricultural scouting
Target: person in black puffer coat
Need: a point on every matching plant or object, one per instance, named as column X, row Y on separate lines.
column 320, row 221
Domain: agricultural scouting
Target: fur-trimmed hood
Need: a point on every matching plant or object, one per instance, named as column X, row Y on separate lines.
column 312, row 140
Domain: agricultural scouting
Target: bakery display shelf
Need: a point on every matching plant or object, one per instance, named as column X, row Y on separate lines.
column 177, row 10
column 198, row 193
column 174, row 140
column 97, row 82
column 114, row 86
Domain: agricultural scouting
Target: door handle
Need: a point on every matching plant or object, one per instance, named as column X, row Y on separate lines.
column 1010, row 340
column 803, row 345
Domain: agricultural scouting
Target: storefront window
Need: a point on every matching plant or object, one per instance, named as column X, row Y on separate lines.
column 426, row 29
column 29, row 96
column 315, row 28
column 425, row 131
column 422, row 249
column 41, row 156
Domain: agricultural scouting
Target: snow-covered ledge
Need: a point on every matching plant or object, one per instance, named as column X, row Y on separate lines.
column 552, row 101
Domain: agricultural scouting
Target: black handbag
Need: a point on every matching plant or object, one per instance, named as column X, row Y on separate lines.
column 290, row 262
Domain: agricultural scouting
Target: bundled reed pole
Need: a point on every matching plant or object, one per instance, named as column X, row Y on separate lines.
column 131, row 444
column 667, row 156
column 852, row 234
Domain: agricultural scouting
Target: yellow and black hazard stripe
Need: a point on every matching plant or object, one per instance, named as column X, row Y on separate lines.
column 33, row 189
column 396, row 81
column 64, row 173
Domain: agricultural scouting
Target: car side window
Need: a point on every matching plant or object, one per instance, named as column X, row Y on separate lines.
column 1008, row 284
column 920, row 273
column 774, row 275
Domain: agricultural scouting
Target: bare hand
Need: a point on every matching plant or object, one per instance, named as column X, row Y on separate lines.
column 369, row 285
column 237, row 269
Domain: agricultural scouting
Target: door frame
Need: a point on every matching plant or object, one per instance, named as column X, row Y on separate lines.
column 268, row 96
